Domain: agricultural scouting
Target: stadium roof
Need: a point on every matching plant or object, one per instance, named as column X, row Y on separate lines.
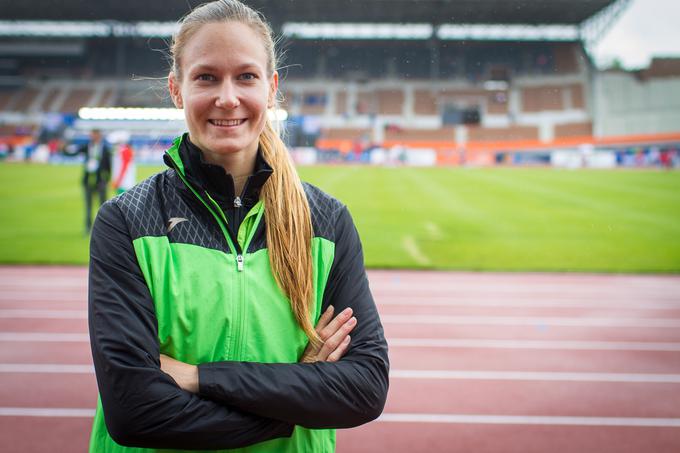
column 571, row 12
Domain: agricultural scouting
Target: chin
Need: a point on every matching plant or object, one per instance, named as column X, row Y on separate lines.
column 228, row 146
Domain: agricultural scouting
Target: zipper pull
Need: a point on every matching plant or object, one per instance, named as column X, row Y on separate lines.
column 239, row 263
column 237, row 202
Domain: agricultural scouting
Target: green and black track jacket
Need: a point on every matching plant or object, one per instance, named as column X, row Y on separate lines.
column 179, row 266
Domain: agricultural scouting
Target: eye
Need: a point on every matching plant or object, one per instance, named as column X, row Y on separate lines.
column 205, row 77
column 248, row 76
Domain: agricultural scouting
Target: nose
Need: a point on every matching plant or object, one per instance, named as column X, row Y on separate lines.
column 228, row 96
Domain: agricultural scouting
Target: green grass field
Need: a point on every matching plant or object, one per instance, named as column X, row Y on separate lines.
column 476, row 219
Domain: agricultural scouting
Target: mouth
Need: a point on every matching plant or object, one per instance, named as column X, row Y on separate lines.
column 227, row 123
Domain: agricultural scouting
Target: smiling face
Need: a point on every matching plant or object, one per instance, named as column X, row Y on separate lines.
column 225, row 88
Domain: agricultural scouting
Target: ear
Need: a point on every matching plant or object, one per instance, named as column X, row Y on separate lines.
column 175, row 90
column 273, row 87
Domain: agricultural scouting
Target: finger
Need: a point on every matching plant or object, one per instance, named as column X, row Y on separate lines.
column 340, row 351
column 335, row 324
column 324, row 319
column 336, row 339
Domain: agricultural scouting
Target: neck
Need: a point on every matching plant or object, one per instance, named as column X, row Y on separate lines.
column 239, row 165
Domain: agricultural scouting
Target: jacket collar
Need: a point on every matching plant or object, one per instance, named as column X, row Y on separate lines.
column 188, row 159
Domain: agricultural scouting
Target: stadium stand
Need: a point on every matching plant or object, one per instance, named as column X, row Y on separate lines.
column 485, row 92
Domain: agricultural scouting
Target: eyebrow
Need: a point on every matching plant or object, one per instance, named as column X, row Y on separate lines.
column 213, row 68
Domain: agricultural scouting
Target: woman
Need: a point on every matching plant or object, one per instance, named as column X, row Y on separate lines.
column 207, row 280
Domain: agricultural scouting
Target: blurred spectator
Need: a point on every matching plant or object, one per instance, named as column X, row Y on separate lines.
column 124, row 169
column 96, row 172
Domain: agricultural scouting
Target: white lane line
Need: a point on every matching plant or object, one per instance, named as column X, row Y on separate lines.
column 445, row 284
column 529, row 420
column 533, row 344
column 45, row 282
column 45, row 412
column 56, row 296
column 418, row 301
column 408, row 418
column 413, row 342
column 530, row 321
column 52, row 368
column 56, row 368
column 44, row 337
column 438, row 319
column 43, row 314
column 409, row 244
column 534, row 376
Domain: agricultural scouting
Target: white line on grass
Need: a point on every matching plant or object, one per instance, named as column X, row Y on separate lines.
column 409, row 244
column 535, row 376
column 533, row 344
column 529, row 420
column 45, row 412
column 434, row 230
column 530, row 321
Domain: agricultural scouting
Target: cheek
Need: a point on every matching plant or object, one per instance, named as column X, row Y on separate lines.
column 259, row 98
column 196, row 104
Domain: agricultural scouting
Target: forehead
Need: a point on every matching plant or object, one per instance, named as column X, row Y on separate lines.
column 224, row 43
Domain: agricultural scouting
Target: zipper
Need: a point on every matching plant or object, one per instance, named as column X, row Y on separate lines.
column 237, row 217
column 235, row 247
column 221, row 219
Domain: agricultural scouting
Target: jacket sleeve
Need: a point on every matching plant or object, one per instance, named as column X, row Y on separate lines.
column 341, row 394
column 143, row 406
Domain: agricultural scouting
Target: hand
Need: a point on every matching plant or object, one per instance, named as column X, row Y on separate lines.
column 185, row 375
column 334, row 334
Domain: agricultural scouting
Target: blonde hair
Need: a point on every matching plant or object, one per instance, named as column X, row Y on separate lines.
column 287, row 215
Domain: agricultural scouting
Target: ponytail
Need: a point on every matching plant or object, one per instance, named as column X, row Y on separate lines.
column 289, row 230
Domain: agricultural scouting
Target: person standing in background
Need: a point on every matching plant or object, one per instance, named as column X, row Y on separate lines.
column 96, row 172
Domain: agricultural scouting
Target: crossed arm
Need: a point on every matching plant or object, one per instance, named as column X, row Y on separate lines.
column 232, row 404
column 334, row 332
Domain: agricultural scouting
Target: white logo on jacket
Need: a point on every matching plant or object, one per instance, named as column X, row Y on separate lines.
column 174, row 221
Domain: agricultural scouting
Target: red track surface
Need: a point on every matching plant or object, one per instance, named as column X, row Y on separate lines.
column 480, row 363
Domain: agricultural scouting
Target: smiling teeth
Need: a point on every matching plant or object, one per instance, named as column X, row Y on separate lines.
column 226, row 122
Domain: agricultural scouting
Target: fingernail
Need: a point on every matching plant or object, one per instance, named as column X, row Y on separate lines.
column 330, row 308
column 352, row 321
column 347, row 311
column 346, row 340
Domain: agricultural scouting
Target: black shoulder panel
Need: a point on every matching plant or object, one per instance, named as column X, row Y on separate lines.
column 324, row 209
column 141, row 208
column 162, row 206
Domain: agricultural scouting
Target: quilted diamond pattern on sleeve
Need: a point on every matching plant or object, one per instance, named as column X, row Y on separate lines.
column 324, row 209
column 161, row 206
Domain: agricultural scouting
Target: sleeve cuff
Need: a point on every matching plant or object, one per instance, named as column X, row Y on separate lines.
column 208, row 388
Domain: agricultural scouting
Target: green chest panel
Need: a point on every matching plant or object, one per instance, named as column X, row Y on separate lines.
column 209, row 311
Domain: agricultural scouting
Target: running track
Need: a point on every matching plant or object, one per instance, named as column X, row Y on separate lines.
column 481, row 363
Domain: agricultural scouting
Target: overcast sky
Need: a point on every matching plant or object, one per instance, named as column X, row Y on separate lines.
column 647, row 28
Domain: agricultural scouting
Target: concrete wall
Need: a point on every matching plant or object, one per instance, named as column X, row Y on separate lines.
column 624, row 105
